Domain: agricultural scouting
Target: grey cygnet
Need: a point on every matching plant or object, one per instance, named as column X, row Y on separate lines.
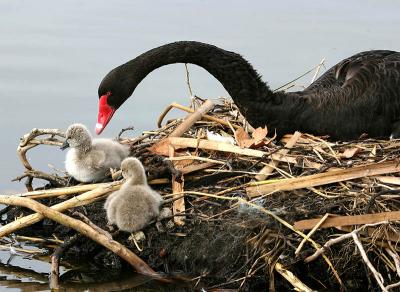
column 133, row 206
column 89, row 160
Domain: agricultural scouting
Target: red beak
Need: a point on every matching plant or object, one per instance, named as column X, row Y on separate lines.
column 105, row 114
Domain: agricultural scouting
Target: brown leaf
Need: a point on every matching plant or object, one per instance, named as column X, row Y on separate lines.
column 241, row 137
column 160, row 148
column 259, row 134
column 350, row 152
column 244, row 141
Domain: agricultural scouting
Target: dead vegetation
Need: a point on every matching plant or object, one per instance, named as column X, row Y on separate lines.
column 248, row 211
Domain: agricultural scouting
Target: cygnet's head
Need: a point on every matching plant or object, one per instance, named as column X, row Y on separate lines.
column 77, row 136
column 133, row 170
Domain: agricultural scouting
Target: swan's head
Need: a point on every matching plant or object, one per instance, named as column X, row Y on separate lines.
column 133, row 170
column 114, row 90
column 77, row 136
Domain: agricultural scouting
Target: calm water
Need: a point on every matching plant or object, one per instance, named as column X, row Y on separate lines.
column 53, row 55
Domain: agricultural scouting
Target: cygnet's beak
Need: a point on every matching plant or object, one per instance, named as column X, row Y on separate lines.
column 65, row 145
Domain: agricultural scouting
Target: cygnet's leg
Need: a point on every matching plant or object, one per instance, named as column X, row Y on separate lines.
column 137, row 238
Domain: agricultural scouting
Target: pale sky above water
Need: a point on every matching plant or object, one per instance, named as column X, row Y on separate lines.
column 53, row 54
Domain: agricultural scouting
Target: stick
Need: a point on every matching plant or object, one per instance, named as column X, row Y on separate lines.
column 192, row 118
column 292, row 279
column 61, row 191
column 223, row 147
column 189, row 110
column 377, row 275
column 139, row 265
column 80, row 200
column 26, row 143
column 196, row 167
column 340, row 238
column 177, row 186
column 268, row 169
column 188, row 80
column 178, row 206
column 325, row 178
column 91, row 224
column 310, row 233
column 318, row 69
column 55, row 262
column 348, row 220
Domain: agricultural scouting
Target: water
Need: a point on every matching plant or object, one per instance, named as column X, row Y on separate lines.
column 53, row 55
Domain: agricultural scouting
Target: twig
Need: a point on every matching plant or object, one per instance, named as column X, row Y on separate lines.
column 396, row 260
column 375, row 196
column 178, row 205
column 310, row 233
column 267, row 170
column 288, row 275
column 55, row 180
column 377, row 275
column 192, row 118
column 267, row 212
column 91, row 224
column 338, row 239
column 325, row 178
column 61, row 191
column 339, row 221
column 189, row 110
column 139, row 265
column 55, row 261
column 80, row 200
column 282, row 87
column 131, row 128
column 188, row 80
column 319, row 66
column 28, row 142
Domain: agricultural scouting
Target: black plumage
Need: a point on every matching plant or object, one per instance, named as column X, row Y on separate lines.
column 361, row 94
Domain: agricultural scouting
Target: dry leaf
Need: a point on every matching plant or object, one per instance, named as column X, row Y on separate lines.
column 241, row 137
column 244, row 141
column 350, row 152
column 259, row 134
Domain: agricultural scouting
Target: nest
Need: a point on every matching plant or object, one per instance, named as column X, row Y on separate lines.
column 248, row 211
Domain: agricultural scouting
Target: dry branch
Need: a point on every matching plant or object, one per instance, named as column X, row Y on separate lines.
column 61, row 191
column 192, row 118
column 292, row 279
column 178, row 206
column 268, row 169
column 139, row 265
column 189, row 110
column 80, row 200
column 325, row 178
column 349, row 220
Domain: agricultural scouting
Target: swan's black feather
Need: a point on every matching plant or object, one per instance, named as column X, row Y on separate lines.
column 360, row 94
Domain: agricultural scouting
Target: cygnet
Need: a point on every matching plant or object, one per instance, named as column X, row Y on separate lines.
column 133, row 206
column 89, row 160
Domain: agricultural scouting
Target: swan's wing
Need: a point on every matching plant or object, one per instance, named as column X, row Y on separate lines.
column 358, row 70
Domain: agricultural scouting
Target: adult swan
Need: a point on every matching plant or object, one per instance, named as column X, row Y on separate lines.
column 361, row 94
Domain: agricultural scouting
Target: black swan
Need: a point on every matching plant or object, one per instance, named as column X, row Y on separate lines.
column 361, row 94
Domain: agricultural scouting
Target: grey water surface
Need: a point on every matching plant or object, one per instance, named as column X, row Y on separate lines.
column 53, row 54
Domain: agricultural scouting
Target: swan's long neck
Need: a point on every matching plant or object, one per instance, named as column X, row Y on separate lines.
column 253, row 97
